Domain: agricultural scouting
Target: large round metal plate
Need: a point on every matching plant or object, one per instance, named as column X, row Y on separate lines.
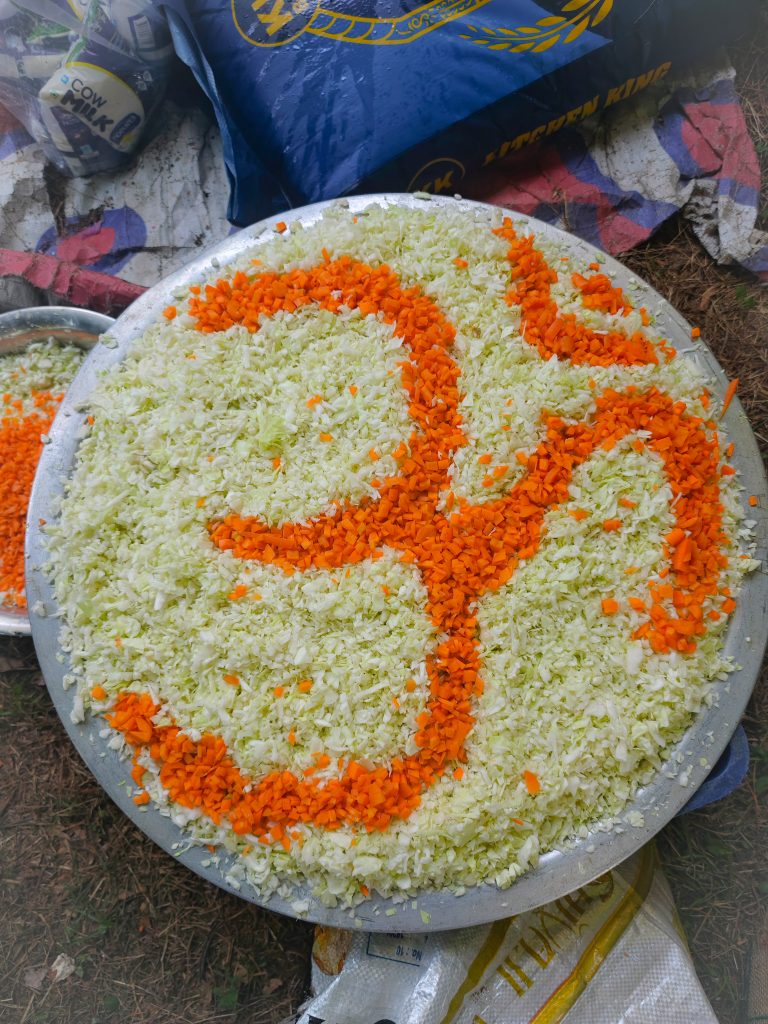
column 558, row 872
column 19, row 329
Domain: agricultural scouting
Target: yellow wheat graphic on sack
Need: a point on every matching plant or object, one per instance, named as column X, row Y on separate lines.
column 576, row 17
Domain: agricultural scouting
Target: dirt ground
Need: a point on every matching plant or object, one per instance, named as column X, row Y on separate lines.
column 154, row 944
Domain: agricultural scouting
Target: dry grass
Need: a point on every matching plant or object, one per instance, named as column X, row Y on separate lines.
column 751, row 62
column 154, row 944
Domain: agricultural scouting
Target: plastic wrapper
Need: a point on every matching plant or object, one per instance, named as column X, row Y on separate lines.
column 84, row 78
column 610, row 953
column 319, row 98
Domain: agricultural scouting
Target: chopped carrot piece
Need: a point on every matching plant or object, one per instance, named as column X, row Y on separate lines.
column 730, row 391
column 609, row 606
column 232, row 680
column 169, row 312
column 281, row 226
column 609, row 525
column 460, row 262
column 532, row 783
column 98, row 693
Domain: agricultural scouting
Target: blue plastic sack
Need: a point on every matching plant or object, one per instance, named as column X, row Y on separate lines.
column 318, row 98
column 727, row 774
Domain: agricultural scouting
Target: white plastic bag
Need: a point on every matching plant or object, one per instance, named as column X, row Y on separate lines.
column 610, row 953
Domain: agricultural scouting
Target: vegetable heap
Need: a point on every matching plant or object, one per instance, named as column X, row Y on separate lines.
column 398, row 554
column 27, row 410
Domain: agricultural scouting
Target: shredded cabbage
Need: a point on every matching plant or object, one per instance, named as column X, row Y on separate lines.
column 190, row 427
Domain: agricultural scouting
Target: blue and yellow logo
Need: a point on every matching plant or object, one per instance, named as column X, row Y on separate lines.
column 442, row 174
column 277, row 22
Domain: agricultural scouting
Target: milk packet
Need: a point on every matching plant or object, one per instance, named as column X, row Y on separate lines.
column 87, row 87
column 143, row 30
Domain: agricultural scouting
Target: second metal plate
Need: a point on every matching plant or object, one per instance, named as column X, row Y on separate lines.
column 20, row 329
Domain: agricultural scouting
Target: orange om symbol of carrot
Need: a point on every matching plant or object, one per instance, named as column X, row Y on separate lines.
column 461, row 550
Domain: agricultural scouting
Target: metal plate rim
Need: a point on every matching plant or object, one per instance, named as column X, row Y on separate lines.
column 558, row 872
